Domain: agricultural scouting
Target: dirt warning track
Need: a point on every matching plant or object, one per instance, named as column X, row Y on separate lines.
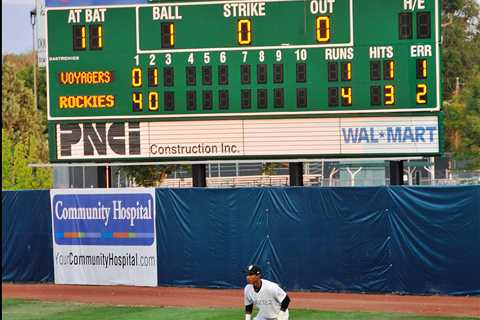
column 226, row 298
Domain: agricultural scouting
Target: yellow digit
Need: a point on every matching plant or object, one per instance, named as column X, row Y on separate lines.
column 389, row 73
column 422, row 93
column 100, row 36
column 153, row 101
column 172, row 34
column 392, row 69
column 136, row 77
column 347, row 96
column 389, row 91
column 137, row 101
column 84, row 37
column 348, row 71
column 323, row 28
column 244, row 31
column 424, row 69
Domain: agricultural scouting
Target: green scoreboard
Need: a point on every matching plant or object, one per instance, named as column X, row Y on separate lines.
column 187, row 68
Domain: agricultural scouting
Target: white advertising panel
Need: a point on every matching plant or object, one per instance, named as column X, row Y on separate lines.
column 104, row 236
column 40, row 34
column 414, row 135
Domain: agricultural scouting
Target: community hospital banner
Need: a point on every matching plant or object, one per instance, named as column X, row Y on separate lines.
column 104, row 236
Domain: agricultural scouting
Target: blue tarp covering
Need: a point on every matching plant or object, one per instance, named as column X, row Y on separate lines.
column 27, row 249
column 415, row 240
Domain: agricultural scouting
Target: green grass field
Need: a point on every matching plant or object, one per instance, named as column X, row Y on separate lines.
column 15, row 309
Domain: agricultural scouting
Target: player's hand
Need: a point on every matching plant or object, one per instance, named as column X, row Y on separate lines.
column 282, row 315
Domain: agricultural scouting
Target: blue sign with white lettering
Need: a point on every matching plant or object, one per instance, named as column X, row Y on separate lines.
column 104, row 219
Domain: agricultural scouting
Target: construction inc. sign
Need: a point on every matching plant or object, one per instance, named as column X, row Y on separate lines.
column 247, row 138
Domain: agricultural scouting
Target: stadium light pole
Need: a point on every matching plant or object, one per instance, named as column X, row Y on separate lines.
column 33, row 16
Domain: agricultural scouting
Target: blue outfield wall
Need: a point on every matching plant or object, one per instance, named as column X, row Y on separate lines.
column 413, row 240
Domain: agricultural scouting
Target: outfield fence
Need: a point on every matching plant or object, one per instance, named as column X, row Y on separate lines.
column 413, row 240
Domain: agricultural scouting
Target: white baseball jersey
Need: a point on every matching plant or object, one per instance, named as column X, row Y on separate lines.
column 268, row 299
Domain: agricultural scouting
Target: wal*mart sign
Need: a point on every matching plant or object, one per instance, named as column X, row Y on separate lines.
column 249, row 138
column 243, row 59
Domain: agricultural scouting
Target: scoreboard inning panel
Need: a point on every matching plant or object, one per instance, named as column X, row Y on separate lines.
column 243, row 58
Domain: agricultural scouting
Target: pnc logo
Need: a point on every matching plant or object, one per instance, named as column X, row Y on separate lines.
column 99, row 139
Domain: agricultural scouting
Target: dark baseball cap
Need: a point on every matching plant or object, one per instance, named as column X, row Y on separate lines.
column 253, row 270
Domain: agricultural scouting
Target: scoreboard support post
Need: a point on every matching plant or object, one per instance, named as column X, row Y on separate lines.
column 295, row 170
column 104, row 177
column 396, row 173
column 199, row 176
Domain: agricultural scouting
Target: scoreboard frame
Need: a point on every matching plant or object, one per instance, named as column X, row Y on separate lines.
column 272, row 134
column 250, row 114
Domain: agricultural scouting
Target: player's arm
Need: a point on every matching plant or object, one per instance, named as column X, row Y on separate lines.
column 284, row 304
column 284, row 299
column 248, row 302
column 248, row 311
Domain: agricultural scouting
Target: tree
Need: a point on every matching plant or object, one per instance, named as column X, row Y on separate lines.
column 461, row 54
column 21, row 172
column 7, row 160
column 462, row 124
column 150, row 176
column 23, row 132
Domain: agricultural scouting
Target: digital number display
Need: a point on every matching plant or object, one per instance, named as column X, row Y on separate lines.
column 244, row 32
column 278, row 97
column 333, row 97
column 423, row 25
column 405, row 25
column 207, row 100
column 245, row 59
column 261, row 73
column 389, row 93
column 168, row 77
column 137, row 101
column 333, row 71
column 223, row 99
column 223, row 75
column 79, row 38
column 246, row 96
column 422, row 93
column 152, row 77
column 153, row 101
column 96, row 37
column 136, row 77
column 375, row 96
column 191, row 100
column 375, row 70
column 262, row 98
column 206, row 75
column 421, row 69
column 301, row 97
column 301, row 72
column 169, row 100
column 389, row 70
column 346, row 96
column 168, row 34
column 323, row 29
column 191, row 76
column 346, row 71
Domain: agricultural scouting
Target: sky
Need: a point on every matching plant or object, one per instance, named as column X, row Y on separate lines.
column 16, row 26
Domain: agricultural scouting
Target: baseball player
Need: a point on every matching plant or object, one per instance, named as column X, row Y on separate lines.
column 271, row 301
